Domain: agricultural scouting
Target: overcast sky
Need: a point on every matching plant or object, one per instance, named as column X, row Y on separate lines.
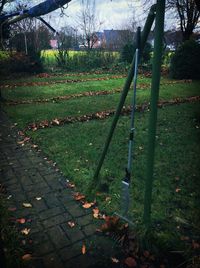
column 115, row 14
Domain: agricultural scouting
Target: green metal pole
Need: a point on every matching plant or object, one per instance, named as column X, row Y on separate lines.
column 156, row 72
column 144, row 35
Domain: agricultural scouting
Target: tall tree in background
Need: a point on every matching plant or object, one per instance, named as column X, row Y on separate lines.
column 198, row 4
column 187, row 12
column 88, row 22
column 188, row 15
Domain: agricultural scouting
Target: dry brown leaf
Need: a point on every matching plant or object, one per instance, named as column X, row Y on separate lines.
column 22, row 220
column 178, row 190
column 70, row 185
column 26, row 257
column 20, row 142
column 130, row 262
column 56, row 121
column 34, row 146
column 83, row 249
column 195, row 245
column 21, row 133
column 88, row 205
column 114, row 260
column 25, row 231
column 78, row 196
column 71, row 224
column 27, row 205
column 96, row 213
column 26, row 139
column 146, row 254
column 12, row 209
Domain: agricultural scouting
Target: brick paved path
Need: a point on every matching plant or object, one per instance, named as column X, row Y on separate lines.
column 51, row 241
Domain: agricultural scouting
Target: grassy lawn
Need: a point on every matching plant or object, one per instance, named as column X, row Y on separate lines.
column 27, row 113
column 77, row 147
column 60, row 77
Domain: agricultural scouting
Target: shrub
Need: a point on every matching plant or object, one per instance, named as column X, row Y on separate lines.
column 62, row 57
column 127, row 53
column 19, row 62
column 185, row 63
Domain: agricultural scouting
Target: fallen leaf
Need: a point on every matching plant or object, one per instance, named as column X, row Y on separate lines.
column 195, row 245
column 20, row 142
column 114, row 260
column 130, row 262
column 146, row 253
column 12, row 209
column 26, row 257
column 26, row 139
column 21, row 133
column 88, row 205
column 25, row 231
column 71, row 224
column 22, row 220
column 56, row 121
column 34, row 146
column 70, row 185
column 96, row 213
column 178, row 190
column 27, row 205
column 78, row 196
column 108, row 199
column 111, row 222
column 83, row 249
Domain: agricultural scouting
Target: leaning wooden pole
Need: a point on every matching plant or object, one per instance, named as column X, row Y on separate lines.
column 156, row 73
column 144, row 36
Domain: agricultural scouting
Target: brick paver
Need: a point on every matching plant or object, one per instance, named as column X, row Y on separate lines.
column 30, row 179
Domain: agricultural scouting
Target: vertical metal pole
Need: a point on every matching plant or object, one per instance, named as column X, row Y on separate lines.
column 25, row 42
column 156, row 72
column 144, row 35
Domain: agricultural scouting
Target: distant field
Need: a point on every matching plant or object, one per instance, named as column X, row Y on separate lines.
column 50, row 59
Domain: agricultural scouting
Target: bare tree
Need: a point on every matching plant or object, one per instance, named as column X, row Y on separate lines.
column 88, row 22
column 198, row 4
column 187, row 12
column 188, row 16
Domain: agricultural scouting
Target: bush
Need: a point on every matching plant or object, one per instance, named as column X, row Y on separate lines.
column 86, row 60
column 127, row 53
column 62, row 57
column 18, row 62
column 185, row 63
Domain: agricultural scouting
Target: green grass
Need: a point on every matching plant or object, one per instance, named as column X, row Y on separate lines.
column 27, row 113
column 77, row 147
column 64, row 76
column 39, row 92
column 10, row 237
